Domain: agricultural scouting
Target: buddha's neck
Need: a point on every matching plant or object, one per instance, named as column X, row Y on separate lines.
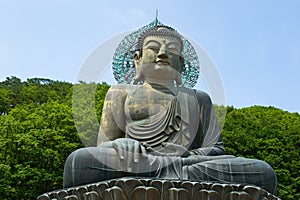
column 168, row 83
column 162, row 86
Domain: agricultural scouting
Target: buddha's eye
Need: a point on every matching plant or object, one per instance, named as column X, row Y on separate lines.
column 173, row 50
column 153, row 48
column 153, row 45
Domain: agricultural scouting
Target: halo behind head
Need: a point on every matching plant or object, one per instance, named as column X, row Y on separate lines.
column 123, row 66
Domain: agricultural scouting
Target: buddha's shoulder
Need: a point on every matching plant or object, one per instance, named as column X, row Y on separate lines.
column 121, row 88
column 192, row 91
column 201, row 95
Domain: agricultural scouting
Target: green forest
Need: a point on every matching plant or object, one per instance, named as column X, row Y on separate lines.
column 41, row 123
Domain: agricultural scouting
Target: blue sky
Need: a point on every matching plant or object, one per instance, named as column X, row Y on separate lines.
column 254, row 44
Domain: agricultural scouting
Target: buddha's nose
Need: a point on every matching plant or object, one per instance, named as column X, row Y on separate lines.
column 163, row 53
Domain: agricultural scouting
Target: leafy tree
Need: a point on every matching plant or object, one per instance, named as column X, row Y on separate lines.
column 37, row 141
column 268, row 134
column 37, row 134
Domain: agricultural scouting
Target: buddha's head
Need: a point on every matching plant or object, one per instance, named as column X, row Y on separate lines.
column 158, row 55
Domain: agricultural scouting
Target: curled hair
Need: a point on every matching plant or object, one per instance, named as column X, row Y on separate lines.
column 161, row 30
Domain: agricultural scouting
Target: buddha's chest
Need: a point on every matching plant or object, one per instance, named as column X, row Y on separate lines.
column 143, row 102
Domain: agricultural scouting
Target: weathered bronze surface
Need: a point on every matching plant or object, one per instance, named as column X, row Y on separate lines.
column 159, row 129
column 152, row 189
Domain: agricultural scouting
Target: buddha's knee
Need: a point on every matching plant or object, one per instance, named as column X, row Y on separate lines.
column 259, row 173
column 91, row 157
column 78, row 158
column 75, row 165
column 256, row 172
column 268, row 175
column 89, row 165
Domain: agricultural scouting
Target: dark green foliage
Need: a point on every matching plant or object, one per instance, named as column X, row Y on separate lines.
column 268, row 134
column 37, row 133
column 43, row 121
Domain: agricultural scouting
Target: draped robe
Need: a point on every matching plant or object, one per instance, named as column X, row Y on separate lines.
column 190, row 121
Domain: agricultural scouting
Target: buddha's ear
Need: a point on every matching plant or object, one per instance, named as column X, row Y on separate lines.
column 181, row 59
column 178, row 79
column 138, row 72
column 137, row 58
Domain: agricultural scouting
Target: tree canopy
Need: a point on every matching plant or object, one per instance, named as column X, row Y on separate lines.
column 268, row 134
column 42, row 121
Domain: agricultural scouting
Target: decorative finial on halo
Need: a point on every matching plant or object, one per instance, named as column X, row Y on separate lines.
column 156, row 17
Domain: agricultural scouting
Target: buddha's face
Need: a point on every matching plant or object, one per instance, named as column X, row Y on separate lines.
column 161, row 57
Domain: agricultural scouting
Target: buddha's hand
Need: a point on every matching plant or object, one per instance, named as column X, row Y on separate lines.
column 128, row 149
column 169, row 149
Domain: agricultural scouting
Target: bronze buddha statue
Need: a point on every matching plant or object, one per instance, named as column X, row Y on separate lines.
column 159, row 128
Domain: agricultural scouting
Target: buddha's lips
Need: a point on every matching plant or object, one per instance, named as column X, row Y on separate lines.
column 162, row 62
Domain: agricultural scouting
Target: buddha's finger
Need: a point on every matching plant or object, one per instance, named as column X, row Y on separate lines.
column 118, row 146
column 126, row 157
column 144, row 151
column 136, row 152
column 129, row 155
column 154, row 152
column 128, row 162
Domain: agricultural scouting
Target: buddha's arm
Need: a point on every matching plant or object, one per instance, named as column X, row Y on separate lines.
column 211, row 139
column 113, row 120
